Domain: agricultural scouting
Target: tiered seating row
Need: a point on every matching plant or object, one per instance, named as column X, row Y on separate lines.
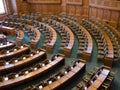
column 51, row 36
column 16, row 51
column 113, row 37
column 7, row 45
column 108, row 47
column 66, row 34
column 58, row 80
column 96, row 80
column 31, row 16
column 22, row 61
column 85, row 48
column 35, row 36
column 8, row 30
column 30, row 73
column 20, row 37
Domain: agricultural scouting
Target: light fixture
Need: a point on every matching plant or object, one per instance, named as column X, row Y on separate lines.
column 8, row 42
column 55, row 57
column 58, row 77
column 16, row 60
column 8, row 52
column 26, row 72
column 65, row 72
column 35, row 68
column 1, row 44
column 24, row 58
column 15, row 49
column 43, row 64
column 40, row 87
column 6, row 78
column 85, row 88
column 16, row 75
column 96, row 75
column 7, row 63
column 37, row 51
column 31, row 55
column 76, row 63
column 49, row 82
column 50, row 61
column 71, row 68
column 91, row 81
column 21, row 47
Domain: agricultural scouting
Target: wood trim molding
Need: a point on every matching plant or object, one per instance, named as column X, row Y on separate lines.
column 44, row 1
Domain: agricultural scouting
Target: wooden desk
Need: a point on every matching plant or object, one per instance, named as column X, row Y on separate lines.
column 86, row 53
column 30, row 76
column 20, row 37
column 23, row 63
column 9, row 31
column 2, row 37
column 50, row 45
column 59, row 82
column 114, row 31
column 68, row 48
column 6, row 46
column 18, row 52
column 108, row 59
column 35, row 41
column 101, row 78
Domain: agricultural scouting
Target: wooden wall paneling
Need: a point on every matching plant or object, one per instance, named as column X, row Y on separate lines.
column 119, row 23
column 85, row 12
column 63, row 7
column 114, row 19
column 99, row 14
column 94, row 12
column 74, row 2
column 45, row 1
column 106, row 15
column 78, row 10
column 44, row 9
column 114, row 16
column 70, row 10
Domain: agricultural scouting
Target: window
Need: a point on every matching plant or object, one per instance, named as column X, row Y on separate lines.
column 2, row 7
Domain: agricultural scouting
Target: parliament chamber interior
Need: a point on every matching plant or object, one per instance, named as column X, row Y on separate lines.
column 59, row 44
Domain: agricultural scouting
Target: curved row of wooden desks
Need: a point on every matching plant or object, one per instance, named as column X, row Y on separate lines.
column 113, row 30
column 20, row 20
column 97, row 79
column 53, row 38
column 68, row 48
column 19, row 37
column 31, row 16
column 30, row 73
column 14, row 52
column 7, row 45
column 36, row 36
column 86, row 54
column 68, row 45
column 34, row 41
column 20, row 34
column 61, row 78
column 10, row 31
column 22, row 61
column 113, row 37
column 108, row 59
